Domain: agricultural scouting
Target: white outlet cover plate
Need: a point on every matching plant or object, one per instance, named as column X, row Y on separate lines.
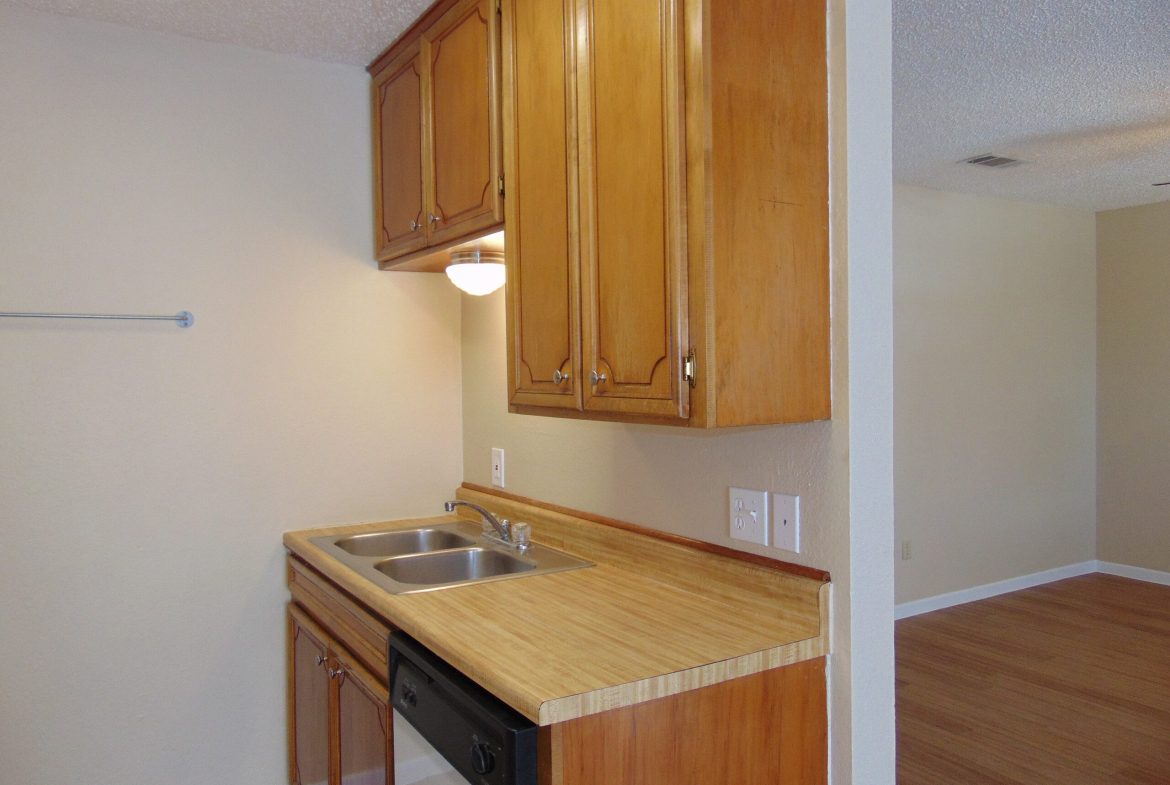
column 498, row 467
column 786, row 522
column 748, row 515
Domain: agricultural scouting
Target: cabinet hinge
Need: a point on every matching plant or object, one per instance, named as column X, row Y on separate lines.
column 689, row 368
column 499, row 6
column 501, row 185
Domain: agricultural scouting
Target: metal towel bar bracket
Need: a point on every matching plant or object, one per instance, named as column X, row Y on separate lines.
column 182, row 318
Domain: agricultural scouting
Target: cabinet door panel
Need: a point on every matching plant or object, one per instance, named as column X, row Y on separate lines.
column 541, row 245
column 365, row 734
column 398, row 154
column 462, row 58
column 633, row 240
column 309, row 705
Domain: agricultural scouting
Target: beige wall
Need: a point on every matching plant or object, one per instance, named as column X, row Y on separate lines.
column 146, row 471
column 1133, row 405
column 994, row 378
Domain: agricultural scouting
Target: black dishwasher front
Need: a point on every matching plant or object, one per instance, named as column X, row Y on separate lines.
column 483, row 739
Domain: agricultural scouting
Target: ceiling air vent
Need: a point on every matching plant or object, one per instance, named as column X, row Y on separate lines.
column 992, row 161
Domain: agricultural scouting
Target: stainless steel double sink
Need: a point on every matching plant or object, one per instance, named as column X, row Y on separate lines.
column 406, row 561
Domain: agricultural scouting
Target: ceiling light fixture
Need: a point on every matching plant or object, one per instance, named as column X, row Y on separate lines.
column 476, row 271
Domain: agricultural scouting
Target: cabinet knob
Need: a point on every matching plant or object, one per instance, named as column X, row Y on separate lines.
column 334, row 672
column 414, row 225
column 320, row 659
column 596, row 378
column 434, row 219
column 559, row 378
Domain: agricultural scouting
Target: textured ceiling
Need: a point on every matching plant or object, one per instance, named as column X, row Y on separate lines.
column 343, row 31
column 1080, row 89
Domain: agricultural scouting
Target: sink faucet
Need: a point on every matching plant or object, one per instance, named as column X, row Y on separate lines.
column 503, row 530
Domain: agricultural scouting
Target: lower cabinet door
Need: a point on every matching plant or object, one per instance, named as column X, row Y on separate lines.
column 365, row 728
column 309, row 688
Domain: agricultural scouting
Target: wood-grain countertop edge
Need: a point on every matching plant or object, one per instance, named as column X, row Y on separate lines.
column 620, row 696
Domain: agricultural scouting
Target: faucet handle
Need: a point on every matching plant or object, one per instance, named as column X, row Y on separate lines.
column 521, row 535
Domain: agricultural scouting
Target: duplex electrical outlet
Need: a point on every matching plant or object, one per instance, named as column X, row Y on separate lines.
column 498, row 467
column 786, row 522
column 748, row 515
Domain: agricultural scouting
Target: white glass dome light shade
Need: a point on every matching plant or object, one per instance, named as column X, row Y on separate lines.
column 477, row 272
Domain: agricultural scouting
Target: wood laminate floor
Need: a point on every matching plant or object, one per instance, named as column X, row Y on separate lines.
column 1062, row 684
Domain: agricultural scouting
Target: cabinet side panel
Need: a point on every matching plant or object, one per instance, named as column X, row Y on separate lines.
column 541, row 252
column 766, row 729
column 769, row 100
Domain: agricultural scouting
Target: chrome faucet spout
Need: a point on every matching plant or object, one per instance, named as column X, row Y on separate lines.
column 501, row 527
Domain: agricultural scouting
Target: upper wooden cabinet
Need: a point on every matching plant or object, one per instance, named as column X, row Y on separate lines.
column 435, row 109
column 544, row 326
column 398, row 156
column 667, row 219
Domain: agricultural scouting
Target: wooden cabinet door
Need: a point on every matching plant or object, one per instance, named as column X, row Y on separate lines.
column 399, row 219
column 633, row 249
column 542, row 291
column 340, row 728
column 462, row 55
column 365, row 731
column 308, row 704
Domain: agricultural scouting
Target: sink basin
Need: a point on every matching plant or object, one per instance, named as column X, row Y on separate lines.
column 465, row 564
column 403, row 542
column 443, row 555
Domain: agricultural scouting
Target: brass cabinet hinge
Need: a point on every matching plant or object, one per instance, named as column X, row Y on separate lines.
column 689, row 368
column 501, row 185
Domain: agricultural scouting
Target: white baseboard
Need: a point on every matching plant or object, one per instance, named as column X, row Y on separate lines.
column 950, row 599
column 1137, row 573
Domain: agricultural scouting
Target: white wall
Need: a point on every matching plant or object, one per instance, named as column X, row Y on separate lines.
column 1133, row 376
column 146, row 471
column 995, row 373
column 676, row 480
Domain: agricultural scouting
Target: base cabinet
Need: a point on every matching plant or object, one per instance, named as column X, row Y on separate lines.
column 768, row 728
column 340, row 722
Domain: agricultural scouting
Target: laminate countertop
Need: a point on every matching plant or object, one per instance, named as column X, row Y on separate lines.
column 651, row 618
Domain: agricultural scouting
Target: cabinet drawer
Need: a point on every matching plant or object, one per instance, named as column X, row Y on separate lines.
column 362, row 633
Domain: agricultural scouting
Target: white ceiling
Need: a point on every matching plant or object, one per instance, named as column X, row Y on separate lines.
column 1080, row 89
column 343, row 31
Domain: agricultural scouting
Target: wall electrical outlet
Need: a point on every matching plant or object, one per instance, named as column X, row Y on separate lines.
column 748, row 515
column 498, row 467
column 786, row 522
